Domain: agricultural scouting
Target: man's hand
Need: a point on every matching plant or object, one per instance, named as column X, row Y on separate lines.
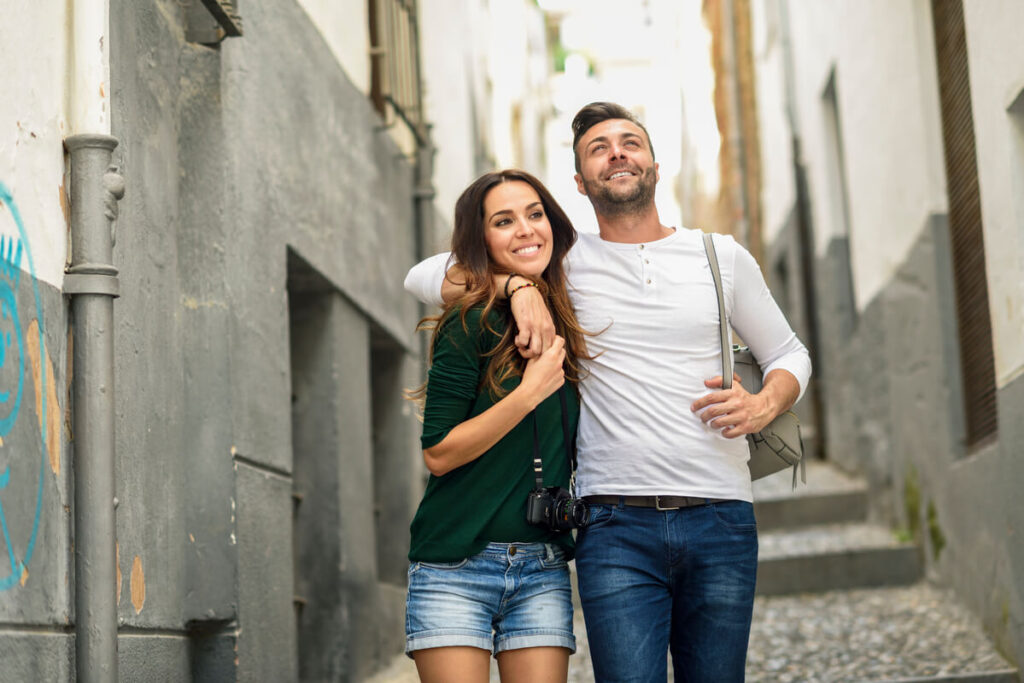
column 735, row 411
column 536, row 329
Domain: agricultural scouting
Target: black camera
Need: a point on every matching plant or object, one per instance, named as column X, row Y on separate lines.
column 554, row 508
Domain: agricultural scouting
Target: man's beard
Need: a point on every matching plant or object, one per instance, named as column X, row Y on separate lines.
column 608, row 202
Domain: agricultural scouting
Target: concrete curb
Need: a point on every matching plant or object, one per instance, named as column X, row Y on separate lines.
column 1004, row 676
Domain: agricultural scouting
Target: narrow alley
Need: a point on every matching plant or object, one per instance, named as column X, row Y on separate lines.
column 209, row 467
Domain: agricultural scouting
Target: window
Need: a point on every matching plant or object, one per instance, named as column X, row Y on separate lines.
column 395, row 88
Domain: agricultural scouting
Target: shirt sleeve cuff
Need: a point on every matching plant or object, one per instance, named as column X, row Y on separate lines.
column 798, row 365
column 426, row 277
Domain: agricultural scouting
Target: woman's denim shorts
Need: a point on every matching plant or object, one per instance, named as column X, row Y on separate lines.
column 507, row 597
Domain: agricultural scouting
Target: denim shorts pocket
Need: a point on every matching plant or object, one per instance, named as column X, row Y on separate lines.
column 556, row 560
column 443, row 566
column 737, row 515
column 600, row 515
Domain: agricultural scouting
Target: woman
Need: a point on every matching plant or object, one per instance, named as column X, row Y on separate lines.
column 481, row 578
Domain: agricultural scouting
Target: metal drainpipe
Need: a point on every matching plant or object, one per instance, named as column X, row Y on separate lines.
column 424, row 193
column 92, row 283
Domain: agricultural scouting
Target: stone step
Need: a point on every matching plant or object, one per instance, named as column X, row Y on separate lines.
column 834, row 557
column 830, row 496
column 899, row 634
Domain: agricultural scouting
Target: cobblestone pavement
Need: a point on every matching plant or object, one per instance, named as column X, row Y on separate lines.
column 860, row 635
column 866, row 635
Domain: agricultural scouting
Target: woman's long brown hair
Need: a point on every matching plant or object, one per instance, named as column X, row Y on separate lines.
column 477, row 268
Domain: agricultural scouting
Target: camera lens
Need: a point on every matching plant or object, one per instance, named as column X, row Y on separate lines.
column 580, row 514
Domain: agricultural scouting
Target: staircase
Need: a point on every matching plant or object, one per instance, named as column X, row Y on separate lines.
column 840, row 599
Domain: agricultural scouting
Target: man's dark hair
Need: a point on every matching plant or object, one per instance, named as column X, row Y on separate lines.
column 596, row 112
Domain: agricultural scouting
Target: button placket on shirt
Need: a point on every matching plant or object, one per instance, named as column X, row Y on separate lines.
column 645, row 270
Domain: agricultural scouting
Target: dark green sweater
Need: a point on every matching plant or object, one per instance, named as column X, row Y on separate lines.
column 483, row 501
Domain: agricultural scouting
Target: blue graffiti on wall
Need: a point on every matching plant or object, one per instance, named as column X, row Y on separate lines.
column 12, row 362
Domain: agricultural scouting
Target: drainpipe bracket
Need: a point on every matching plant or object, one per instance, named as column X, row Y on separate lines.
column 92, row 279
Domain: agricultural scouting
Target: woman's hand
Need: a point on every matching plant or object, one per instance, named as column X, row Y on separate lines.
column 541, row 378
column 544, row 374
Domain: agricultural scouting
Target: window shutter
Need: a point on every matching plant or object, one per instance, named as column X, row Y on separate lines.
column 968, row 244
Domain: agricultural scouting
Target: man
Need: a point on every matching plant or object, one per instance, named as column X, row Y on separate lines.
column 669, row 559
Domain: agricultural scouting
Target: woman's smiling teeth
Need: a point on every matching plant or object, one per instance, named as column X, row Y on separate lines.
column 523, row 251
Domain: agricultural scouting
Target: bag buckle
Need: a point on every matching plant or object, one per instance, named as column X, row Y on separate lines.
column 657, row 505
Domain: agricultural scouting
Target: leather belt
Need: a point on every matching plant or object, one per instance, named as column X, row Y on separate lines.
column 656, row 502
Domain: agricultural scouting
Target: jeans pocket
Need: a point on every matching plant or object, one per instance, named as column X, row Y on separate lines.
column 600, row 515
column 737, row 515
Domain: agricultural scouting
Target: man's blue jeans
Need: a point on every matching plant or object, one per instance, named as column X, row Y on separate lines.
column 681, row 580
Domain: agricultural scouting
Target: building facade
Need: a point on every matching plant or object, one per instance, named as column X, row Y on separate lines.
column 277, row 186
column 892, row 201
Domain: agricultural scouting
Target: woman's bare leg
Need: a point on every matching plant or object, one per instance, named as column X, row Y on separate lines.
column 534, row 665
column 453, row 665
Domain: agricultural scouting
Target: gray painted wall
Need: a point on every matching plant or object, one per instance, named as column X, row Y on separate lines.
column 267, row 465
column 890, row 380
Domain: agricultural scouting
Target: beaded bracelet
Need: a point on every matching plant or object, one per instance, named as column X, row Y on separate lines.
column 516, row 289
column 508, row 280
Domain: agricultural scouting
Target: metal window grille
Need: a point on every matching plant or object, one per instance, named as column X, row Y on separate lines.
column 968, row 246
column 395, row 63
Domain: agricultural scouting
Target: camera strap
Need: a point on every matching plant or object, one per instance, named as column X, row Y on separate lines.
column 569, row 441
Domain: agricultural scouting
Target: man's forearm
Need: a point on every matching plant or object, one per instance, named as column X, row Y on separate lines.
column 780, row 390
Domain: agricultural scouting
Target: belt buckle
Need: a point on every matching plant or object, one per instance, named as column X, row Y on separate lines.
column 657, row 505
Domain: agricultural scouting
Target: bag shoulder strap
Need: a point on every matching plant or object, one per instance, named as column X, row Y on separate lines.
column 723, row 323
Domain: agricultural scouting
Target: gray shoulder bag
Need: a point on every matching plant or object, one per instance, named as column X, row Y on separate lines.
column 778, row 445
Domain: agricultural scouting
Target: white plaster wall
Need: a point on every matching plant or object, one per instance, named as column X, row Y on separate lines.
column 778, row 194
column 34, row 99
column 996, row 59
column 480, row 61
column 344, row 24
column 507, row 72
column 448, row 76
column 887, row 101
